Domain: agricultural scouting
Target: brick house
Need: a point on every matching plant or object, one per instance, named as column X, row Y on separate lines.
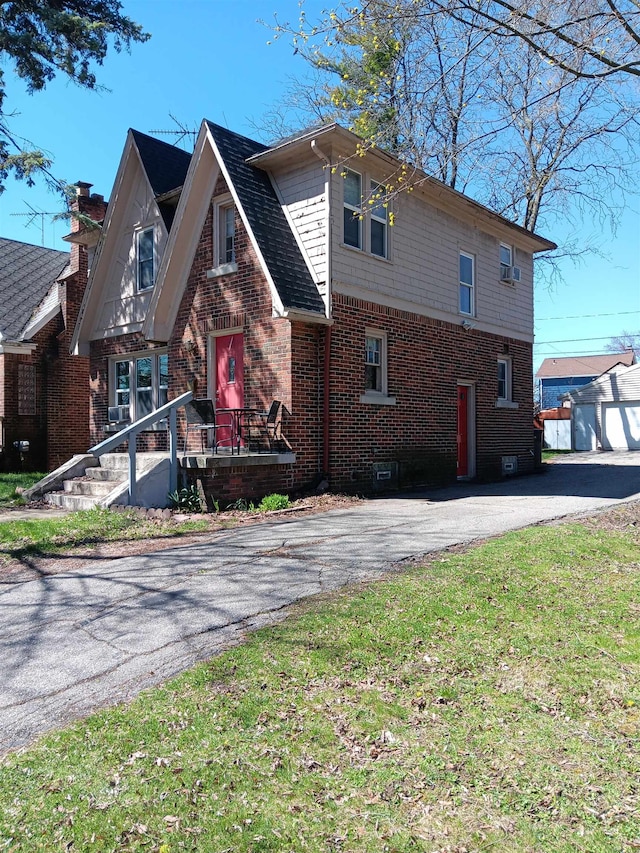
column 43, row 389
column 401, row 350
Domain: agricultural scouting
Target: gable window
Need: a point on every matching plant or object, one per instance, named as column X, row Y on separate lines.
column 378, row 221
column 224, row 238
column 352, row 209
column 144, row 257
column 226, row 234
column 139, row 383
column 467, row 283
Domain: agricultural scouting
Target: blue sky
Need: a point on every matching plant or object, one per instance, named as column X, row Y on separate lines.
column 210, row 59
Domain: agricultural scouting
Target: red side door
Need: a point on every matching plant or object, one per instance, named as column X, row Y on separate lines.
column 463, row 431
column 229, row 375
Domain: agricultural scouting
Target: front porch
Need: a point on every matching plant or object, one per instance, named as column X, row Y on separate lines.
column 223, row 477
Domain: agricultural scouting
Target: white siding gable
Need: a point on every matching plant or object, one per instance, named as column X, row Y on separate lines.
column 123, row 308
column 302, row 190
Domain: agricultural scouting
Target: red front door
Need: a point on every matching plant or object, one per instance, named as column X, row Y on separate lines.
column 229, row 375
column 463, row 430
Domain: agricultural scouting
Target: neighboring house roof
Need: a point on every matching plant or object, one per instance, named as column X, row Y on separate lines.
column 26, row 275
column 282, row 255
column 620, row 384
column 584, row 365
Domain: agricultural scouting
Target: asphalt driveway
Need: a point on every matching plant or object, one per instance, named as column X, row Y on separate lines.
column 71, row 643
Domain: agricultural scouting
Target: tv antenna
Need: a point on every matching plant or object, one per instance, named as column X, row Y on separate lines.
column 181, row 132
column 33, row 214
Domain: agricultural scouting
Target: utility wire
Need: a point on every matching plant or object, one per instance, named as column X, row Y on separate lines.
column 586, row 316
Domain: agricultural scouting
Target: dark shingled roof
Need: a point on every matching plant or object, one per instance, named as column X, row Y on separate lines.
column 269, row 225
column 26, row 274
column 166, row 167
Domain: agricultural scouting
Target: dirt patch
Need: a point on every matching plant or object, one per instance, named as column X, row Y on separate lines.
column 32, row 567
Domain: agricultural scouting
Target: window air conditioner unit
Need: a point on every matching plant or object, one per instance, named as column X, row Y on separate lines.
column 117, row 414
column 510, row 274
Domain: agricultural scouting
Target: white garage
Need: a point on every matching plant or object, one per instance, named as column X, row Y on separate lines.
column 621, row 425
column 605, row 414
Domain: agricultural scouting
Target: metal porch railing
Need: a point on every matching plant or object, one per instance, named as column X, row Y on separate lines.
column 130, row 434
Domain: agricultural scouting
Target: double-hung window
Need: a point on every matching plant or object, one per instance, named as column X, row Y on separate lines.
column 505, row 384
column 144, row 259
column 504, row 379
column 467, row 284
column 373, row 363
column 353, row 209
column 506, row 261
column 375, row 369
column 141, row 383
column 378, row 213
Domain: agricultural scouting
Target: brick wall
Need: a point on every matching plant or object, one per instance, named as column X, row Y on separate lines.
column 426, row 360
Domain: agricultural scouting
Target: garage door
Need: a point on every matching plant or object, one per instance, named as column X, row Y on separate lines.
column 621, row 426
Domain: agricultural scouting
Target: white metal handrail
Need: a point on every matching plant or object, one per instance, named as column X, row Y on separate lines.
column 130, row 434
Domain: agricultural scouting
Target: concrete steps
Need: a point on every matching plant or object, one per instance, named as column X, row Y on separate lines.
column 98, row 485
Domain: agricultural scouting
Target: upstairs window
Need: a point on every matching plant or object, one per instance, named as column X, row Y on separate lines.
column 506, row 259
column 467, row 284
column 144, row 253
column 378, row 221
column 353, row 209
column 226, row 234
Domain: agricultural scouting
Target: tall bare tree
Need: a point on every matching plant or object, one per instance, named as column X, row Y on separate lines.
column 487, row 115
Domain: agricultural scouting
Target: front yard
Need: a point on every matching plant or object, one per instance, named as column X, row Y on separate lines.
column 488, row 700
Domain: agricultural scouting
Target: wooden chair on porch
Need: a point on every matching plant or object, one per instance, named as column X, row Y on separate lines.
column 201, row 417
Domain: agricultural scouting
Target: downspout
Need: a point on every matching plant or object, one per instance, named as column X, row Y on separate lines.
column 329, row 302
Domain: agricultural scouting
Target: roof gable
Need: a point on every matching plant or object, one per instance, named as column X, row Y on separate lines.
column 220, row 151
column 267, row 221
column 27, row 273
column 609, row 386
column 151, row 168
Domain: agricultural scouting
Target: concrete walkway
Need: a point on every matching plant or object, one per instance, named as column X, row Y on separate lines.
column 73, row 642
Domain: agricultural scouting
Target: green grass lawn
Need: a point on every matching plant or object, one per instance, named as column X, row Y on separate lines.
column 10, row 482
column 486, row 702
column 44, row 536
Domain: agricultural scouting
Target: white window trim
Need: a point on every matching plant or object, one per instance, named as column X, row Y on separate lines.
column 356, row 210
column 155, row 379
column 220, row 266
column 512, row 260
column 507, row 402
column 379, row 398
column 366, row 215
column 374, row 186
column 139, row 233
column 471, row 288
